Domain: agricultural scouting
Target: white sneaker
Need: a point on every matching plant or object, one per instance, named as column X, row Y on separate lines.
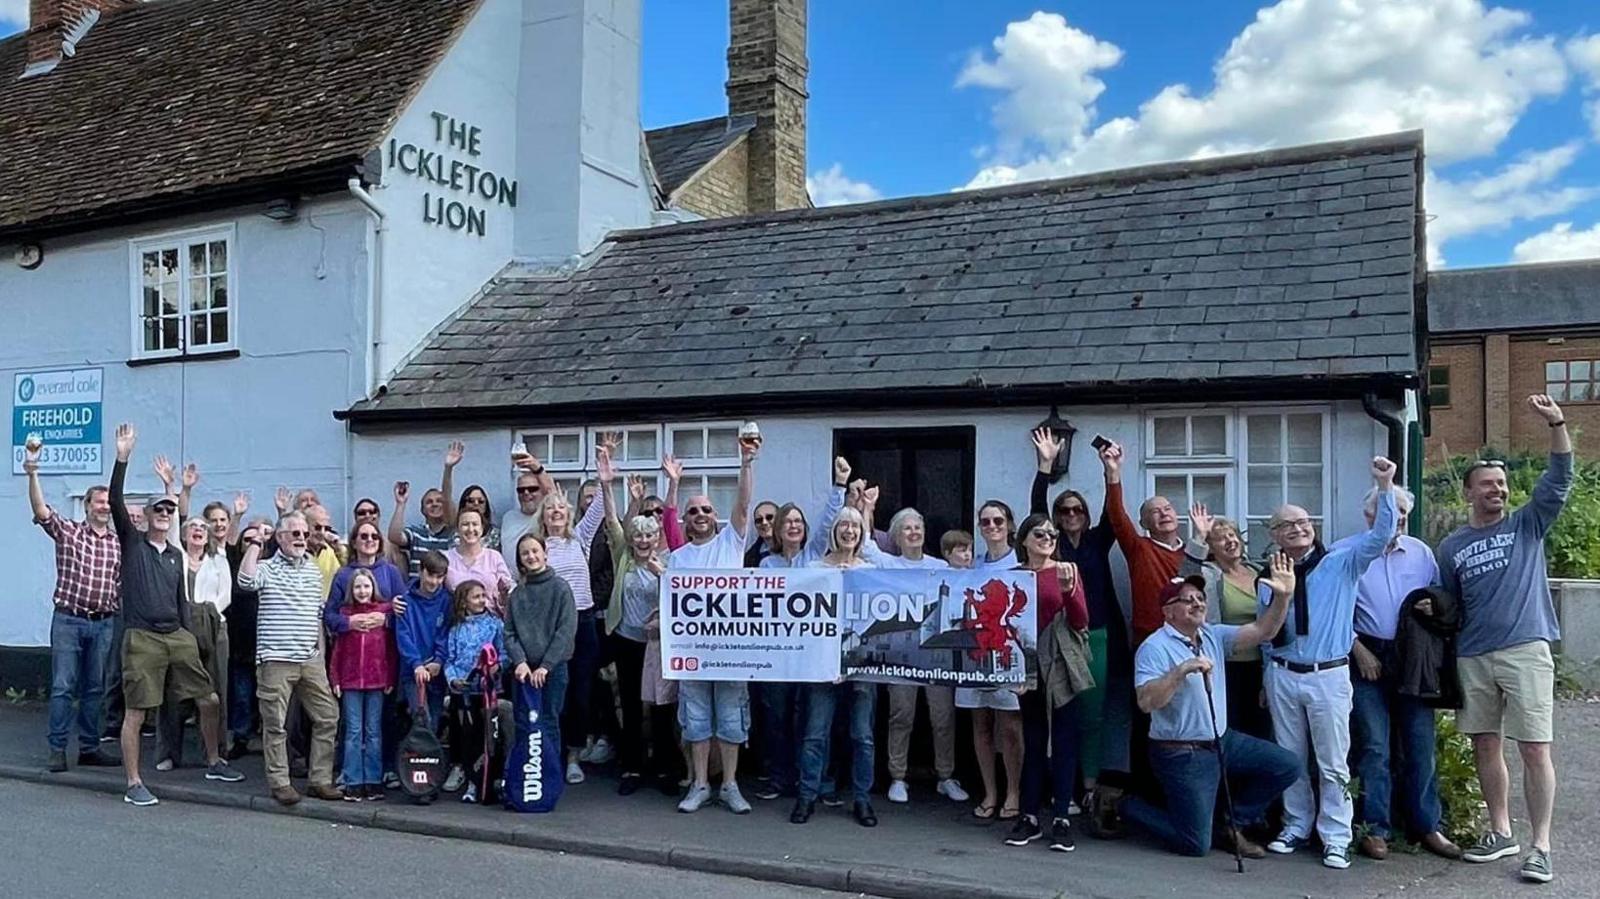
column 470, row 794
column 897, row 792
column 699, row 795
column 574, row 772
column 455, row 779
column 601, row 752
column 587, row 750
column 164, row 765
column 950, row 788
column 733, row 799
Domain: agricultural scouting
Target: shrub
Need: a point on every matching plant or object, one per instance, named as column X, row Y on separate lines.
column 1459, row 794
column 1572, row 547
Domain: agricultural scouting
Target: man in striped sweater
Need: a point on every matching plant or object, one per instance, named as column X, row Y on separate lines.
column 289, row 657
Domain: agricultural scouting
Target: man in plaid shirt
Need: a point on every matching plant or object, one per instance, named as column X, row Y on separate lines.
column 88, row 581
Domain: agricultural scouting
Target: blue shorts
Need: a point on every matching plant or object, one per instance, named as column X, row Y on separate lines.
column 714, row 708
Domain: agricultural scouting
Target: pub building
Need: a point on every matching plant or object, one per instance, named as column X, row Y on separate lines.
column 310, row 242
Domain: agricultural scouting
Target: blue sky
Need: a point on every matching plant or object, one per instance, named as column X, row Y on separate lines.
column 934, row 95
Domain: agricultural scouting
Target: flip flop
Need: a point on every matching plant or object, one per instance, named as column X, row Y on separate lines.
column 1015, row 813
column 984, row 812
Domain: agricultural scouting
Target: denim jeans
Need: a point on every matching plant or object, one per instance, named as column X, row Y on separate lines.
column 1048, row 748
column 363, row 737
column 821, row 700
column 1258, row 773
column 241, row 698
column 79, row 649
column 1382, row 719
column 780, row 706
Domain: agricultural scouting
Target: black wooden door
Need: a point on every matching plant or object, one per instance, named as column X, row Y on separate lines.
column 929, row 469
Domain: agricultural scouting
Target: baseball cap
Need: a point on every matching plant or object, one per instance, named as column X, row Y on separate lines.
column 1172, row 589
column 151, row 503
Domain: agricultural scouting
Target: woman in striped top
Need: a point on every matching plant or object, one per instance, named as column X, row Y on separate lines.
column 567, row 554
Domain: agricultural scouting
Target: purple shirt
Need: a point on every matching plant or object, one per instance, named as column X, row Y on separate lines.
column 1406, row 565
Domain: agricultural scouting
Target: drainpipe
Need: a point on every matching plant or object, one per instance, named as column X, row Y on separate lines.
column 375, row 289
column 1396, row 426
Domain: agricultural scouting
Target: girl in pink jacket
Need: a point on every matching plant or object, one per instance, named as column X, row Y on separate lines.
column 362, row 671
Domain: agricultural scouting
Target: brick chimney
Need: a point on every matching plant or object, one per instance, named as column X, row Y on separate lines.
column 56, row 26
column 767, row 78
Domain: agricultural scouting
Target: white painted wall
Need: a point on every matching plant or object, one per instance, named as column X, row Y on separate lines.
column 430, row 270
column 252, row 423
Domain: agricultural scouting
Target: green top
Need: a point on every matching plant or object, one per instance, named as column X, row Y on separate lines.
column 1239, row 607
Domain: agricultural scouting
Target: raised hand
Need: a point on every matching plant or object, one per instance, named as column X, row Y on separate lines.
column 1200, row 520
column 30, row 458
column 870, row 496
column 1279, row 575
column 282, row 499
column 453, row 453
column 672, row 468
column 241, row 504
column 1546, row 408
column 610, row 440
column 636, row 487
column 841, row 471
column 165, row 471
column 402, row 490
column 1047, row 446
column 1111, row 457
column 126, row 438
column 602, row 463
column 191, row 475
column 526, row 461
column 1382, row 472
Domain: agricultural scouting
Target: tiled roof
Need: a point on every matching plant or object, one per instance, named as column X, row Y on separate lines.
column 179, row 98
column 1293, row 270
column 1515, row 298
column 679, row 151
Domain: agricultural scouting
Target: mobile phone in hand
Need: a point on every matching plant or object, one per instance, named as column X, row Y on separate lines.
column 1100, row 442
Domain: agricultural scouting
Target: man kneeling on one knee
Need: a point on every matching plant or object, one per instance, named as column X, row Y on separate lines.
column 1189, row 736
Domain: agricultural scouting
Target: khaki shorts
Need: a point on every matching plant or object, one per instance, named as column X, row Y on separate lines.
column 160, row 666
column 1511, row 692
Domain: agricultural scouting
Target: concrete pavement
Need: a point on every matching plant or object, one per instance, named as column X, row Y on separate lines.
column 927, row 850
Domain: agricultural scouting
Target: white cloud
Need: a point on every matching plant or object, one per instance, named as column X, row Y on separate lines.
column 1046, row 67
column 831, row 187
column 1525, row 188
column 1585, row 55
column 1560, row 242
column 1302, row 71
column 13, row 15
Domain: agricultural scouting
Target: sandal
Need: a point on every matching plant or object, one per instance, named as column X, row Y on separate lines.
column 984, row 812
column 1016, row 812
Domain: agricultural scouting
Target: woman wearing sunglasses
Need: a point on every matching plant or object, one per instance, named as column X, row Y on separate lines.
column 996, row 713
column 1049, row 721
column 366, row 554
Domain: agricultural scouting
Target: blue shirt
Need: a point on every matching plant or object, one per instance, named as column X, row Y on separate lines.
column 1331, row 592
column 1499, row 571
column 816, row 538
column 1185, row 717
column 1408, row 565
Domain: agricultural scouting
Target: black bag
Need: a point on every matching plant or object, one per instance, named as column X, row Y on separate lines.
column 420, row 760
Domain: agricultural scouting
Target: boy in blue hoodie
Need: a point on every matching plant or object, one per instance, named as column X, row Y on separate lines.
column 420, row 633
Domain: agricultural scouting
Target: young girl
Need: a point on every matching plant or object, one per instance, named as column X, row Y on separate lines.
column 472, row 627
column 541, row 622
column 361, row 674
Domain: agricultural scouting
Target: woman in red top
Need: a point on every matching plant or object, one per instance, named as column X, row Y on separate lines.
column 361, row 673
column 1049, row 736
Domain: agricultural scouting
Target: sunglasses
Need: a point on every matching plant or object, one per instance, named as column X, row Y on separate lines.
column 1073, row 510
column 368, row 537
column 163, row 510
column 325, row 528
column 1188, row 601
column 1490, row 463
column 991, row 522
column 656, row 512
column 525, row 490
column 1042, row 534
column 699, row 510
column 297, row 534
column 766, row 518
column 1295, row 525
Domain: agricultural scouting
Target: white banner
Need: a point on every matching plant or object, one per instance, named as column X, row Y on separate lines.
column 778, row 624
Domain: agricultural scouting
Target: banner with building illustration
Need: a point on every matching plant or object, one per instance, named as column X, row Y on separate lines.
column 812, row 625
column 953, row 627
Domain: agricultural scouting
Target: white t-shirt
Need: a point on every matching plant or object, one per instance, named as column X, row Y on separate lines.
column 513, row 525
column 725, row 550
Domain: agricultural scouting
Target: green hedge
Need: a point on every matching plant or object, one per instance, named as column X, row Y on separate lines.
column 1572, row 547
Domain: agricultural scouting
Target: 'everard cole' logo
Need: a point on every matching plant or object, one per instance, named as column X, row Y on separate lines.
column 25, row 390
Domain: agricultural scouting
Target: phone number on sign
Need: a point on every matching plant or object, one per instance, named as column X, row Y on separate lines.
column 56, row 455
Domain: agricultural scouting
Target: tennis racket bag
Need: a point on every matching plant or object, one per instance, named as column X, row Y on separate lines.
column 420, row 760
column 534, row 778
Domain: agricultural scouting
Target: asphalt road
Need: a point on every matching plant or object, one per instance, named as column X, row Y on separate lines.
column 72, row 843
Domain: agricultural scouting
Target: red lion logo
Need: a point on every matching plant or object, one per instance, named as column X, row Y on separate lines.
column 989, row 616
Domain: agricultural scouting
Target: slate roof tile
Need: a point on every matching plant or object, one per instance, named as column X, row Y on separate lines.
column 1188, row 272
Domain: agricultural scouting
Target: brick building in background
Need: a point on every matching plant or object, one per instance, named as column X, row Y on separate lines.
column 1499, row 334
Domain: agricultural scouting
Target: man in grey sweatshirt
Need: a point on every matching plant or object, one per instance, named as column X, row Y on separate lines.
column 1496, row 565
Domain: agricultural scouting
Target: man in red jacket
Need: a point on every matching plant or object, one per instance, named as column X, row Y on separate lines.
column 1155, row 558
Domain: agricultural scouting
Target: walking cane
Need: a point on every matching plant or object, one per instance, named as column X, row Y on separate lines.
column 1222, row 763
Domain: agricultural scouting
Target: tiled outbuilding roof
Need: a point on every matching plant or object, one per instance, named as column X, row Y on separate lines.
column 679, row 151
column 179, row 99
column 1550, row 295
column 1294, row 271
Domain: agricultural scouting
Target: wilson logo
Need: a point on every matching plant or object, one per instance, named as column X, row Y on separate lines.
column 533, row 768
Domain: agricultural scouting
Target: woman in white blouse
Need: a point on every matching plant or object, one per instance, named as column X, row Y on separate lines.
column 208, row 587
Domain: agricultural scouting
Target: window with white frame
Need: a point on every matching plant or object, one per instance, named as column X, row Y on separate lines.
column 564, row 454
column 638, row 453
column 1285, row 463
column 1240, row 464
column 710, row 456
column 184, row 294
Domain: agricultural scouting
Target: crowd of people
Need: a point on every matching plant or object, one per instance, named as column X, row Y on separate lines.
column 1233, row 693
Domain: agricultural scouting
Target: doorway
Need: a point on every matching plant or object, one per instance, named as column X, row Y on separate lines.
column 929, row 469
